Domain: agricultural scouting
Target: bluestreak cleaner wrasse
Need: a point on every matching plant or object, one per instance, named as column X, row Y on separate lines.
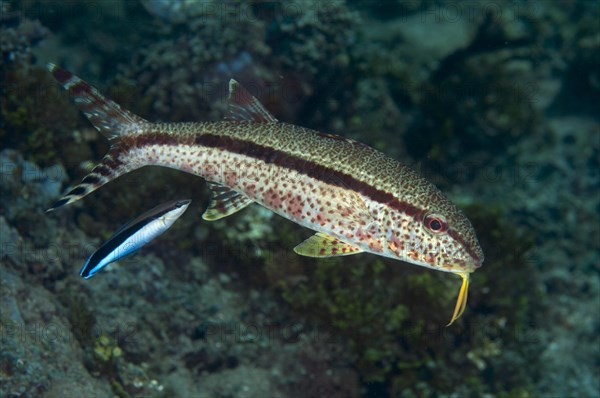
column 356, row 198
column 135, row 234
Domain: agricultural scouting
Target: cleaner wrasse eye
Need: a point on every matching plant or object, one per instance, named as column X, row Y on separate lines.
column 356, row 198
column 135, row 234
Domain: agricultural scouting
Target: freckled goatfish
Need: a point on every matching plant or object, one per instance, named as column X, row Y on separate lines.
column 135, row 234
column 356, row 198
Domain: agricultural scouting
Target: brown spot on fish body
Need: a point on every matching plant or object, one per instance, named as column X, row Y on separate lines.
column 272, row 199
column 231, row 179
column 430, row 259
column 250, row 190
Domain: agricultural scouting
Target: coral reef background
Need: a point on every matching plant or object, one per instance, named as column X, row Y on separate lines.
column 496, row 102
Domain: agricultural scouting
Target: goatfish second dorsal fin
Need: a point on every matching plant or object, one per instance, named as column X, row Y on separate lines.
column 243, row 106
column 135, row 234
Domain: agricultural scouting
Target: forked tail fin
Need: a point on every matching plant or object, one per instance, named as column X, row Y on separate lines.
column 109, row 119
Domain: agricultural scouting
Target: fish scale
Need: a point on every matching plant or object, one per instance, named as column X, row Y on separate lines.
column 356, row 198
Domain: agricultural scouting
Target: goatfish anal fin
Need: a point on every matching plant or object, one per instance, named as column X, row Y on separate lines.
column 461, row 301
column 224, row 202
column 323, row 245
column 135, row 234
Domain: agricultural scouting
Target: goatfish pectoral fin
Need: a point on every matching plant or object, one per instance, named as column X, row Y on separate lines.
column 224, row 202
column 135, row 234
column 461, row 301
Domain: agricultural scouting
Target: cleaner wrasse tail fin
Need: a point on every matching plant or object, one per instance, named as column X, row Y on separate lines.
column 461, row 301
column 110, row 120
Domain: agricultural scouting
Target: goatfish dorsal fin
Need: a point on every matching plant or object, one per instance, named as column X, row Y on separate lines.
column 243, row 106
column 135, row 234
column 224, row 202
column 461, row 301
column 323, row 245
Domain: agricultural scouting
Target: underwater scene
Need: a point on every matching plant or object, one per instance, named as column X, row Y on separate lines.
column 395, row 198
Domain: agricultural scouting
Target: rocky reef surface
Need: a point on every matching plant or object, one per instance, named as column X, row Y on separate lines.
column 494, row 102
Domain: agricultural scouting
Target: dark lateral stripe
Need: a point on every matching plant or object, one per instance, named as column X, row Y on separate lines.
column 277, row 157
column 285, row 160
column 306, row 167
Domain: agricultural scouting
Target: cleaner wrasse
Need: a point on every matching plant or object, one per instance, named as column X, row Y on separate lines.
column 356, row 198
column 135, row 234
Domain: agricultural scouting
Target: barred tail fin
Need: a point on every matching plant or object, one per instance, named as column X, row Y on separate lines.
column 105, row 115
column 110, row 120
column 107, row 170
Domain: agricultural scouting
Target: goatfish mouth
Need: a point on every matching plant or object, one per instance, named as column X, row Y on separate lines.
column 355, row 198
column 135, row 234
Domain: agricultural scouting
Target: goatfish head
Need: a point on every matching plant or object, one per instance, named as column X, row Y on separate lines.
column 460, row 253
column 434, row 233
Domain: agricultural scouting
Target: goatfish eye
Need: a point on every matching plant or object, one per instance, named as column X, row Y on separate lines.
column 435, row 223
column 135, row 234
